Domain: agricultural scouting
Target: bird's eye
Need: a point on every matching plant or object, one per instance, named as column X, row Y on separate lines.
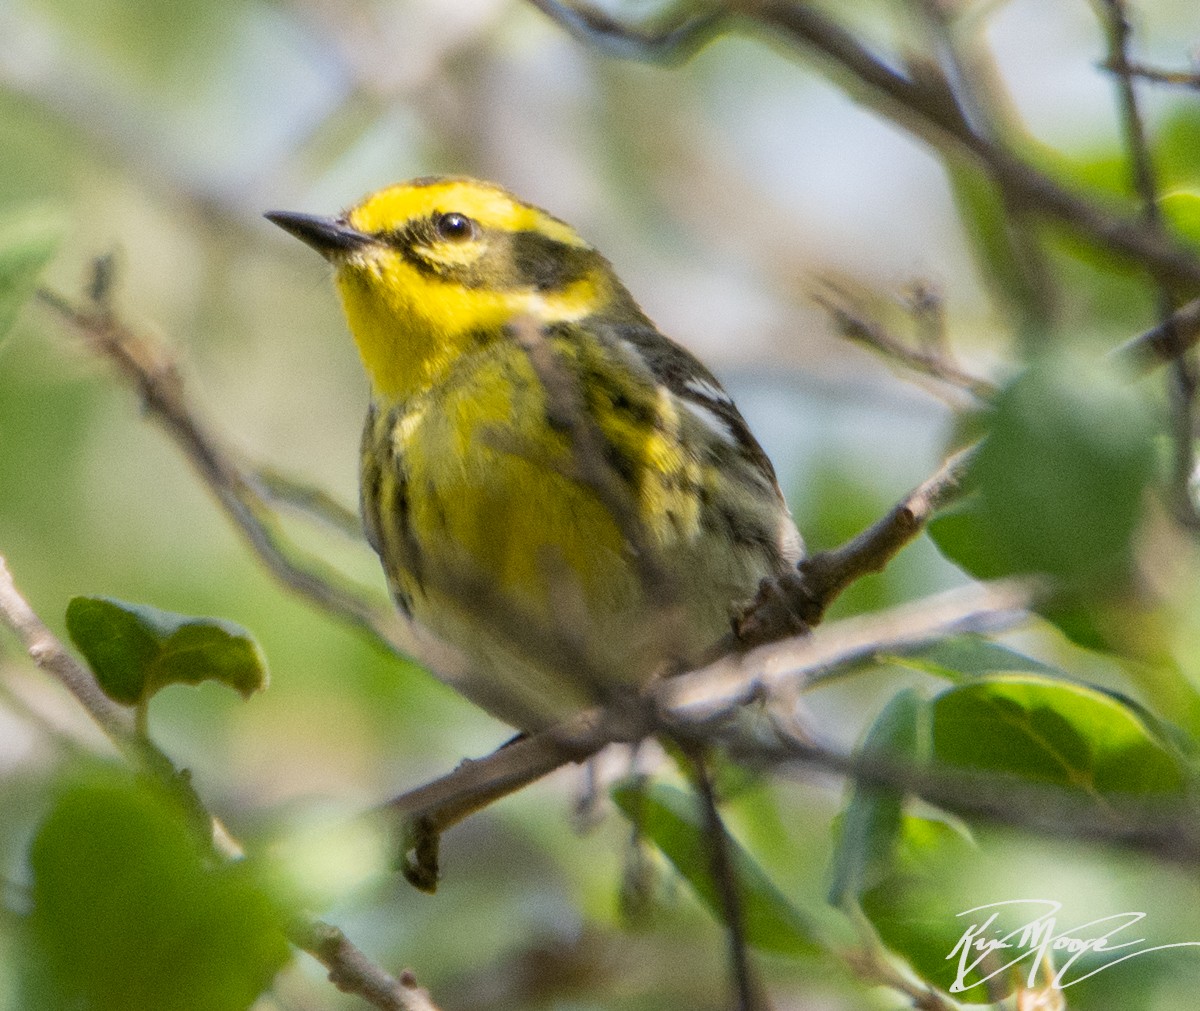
column 454, row 227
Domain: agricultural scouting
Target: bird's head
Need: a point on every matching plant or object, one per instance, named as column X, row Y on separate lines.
column 428, row 266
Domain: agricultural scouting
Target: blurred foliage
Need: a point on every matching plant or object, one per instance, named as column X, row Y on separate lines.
column 28, row 238
column 127, row 914
column 719, row 187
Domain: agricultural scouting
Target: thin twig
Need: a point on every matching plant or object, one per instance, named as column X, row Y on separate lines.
column 348, row 968
column 352, row 972
column 146, row 364
column 50, row 655
column 935, row 362
column 917, row 104
column 827, row 573
column 1182, row 381
column 715, row 691
column 316, row 503
column 975, row 82
column 749, row 997
column 820, row 579
column 1156, row 75
column 565, row 407
column 871, row 964
column 1167, row 826
column 1163, row 343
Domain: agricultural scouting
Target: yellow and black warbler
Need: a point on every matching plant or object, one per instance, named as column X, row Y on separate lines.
column 564, row 557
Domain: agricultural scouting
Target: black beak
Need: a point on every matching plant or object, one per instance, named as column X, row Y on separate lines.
column 328, row 236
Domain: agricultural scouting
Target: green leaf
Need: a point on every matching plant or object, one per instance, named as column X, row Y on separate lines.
column 674, row 821
column 127, row 913
column 1061, row 479
column 1051, row 731
column 1177, row 155
column 908, row 906
column 868, row 829
column 29, row 236
column 962, row 656
column 962, row 536
column 1182, row 209
column 135, row 650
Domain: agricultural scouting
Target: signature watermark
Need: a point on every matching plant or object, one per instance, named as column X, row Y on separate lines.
column 984, row 947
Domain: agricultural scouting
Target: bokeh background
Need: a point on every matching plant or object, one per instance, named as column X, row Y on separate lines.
column 723, row 190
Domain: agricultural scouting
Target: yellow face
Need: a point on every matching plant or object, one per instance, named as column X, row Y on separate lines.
column 428, row 268
column 442, row 262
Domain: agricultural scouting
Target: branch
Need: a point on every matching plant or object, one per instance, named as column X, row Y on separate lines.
column 49, row 654
column 349, row 969
column 690, row 703
column 724, row 875
column 933, row 361
column 716, row 691
column 352, row 972
column 1165, row 828
column 1183, row 379
column 146, row 365
column 820, row 579
column 1155, row 75
column 1163, row 343
column 920, row 104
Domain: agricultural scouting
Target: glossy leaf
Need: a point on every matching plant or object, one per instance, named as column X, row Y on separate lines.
column 1051, row 731
column 135, row 650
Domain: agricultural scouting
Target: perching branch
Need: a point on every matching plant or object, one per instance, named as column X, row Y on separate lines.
column 349, row 969
column 693, row 703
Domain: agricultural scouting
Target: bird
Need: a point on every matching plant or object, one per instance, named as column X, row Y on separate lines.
column 563, row 494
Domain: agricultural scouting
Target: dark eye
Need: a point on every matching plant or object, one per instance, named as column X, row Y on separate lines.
column 454, row 227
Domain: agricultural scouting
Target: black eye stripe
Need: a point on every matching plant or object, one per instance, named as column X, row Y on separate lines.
column 454, row 227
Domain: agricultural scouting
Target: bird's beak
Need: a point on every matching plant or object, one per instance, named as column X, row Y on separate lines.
column 330, row 237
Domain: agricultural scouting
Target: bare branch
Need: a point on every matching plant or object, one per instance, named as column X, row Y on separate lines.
column 919, row 104
column 352, row 972
column 827, row 573
column 689, row 703
column 821, row 578
column 1163, row 343
column 1155, row 75
column 732, row 681
column 51, row 656
column 931, row 360
column 1165, row 827
column 1183, row 381
column 313, row 502
column 348, row 968
column 146, row 364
